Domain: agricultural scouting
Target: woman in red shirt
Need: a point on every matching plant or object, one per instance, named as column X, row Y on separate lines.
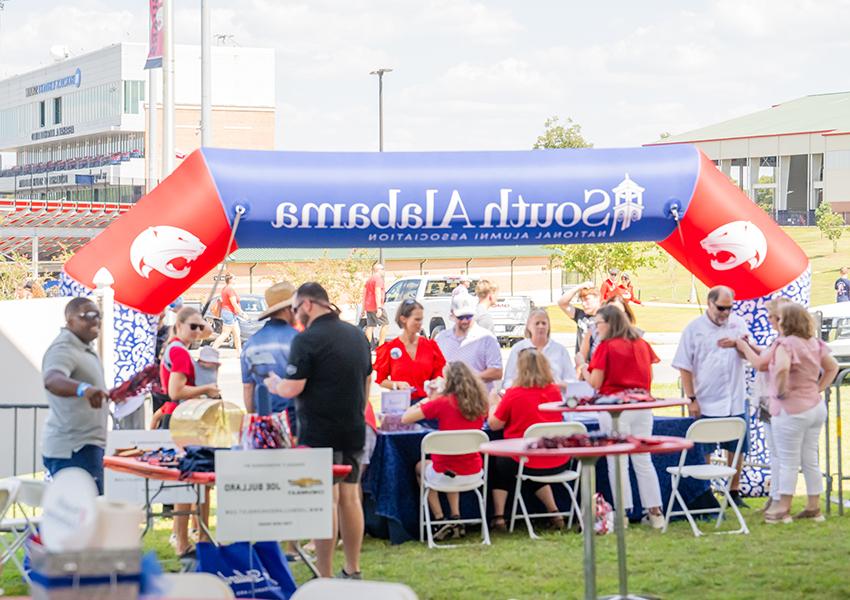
column 623, row 360
column 516, row 412
column 462, row 405
column 626, row 290
column 408, row 361
column 177, row 376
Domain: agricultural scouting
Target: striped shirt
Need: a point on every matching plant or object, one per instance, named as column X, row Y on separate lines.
column 478, row 349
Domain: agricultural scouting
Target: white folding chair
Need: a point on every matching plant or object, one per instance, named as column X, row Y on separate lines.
column 566, row 477
column 452, row 443
column 333, row 589
column 708, row 431
column 24, row 494
column 189, row 586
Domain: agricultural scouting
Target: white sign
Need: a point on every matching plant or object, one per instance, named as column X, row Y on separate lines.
column 395, row 402
column 274, row 495
column 70, row 516
column 123, row 487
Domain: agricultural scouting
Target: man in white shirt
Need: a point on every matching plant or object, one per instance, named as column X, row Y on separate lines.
column 462, row 287
column 470, row 343
column 712, row 369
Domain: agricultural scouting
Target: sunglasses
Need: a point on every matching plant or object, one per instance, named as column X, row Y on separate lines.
column 463, row 317
column 723, row 308
column 197, row 326
column 90, row 315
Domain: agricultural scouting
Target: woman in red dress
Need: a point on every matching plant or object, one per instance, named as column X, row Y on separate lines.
column 410, row 360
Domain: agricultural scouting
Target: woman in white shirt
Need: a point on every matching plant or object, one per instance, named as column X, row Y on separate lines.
column 538, row 331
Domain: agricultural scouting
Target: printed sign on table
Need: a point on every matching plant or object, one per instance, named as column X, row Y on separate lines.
column 123, row 487
column 274, row 495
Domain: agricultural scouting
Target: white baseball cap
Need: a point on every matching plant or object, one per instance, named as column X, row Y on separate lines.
column 464, row 305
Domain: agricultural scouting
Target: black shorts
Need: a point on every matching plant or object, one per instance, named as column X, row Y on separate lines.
column 354, row 460
column 373, row 320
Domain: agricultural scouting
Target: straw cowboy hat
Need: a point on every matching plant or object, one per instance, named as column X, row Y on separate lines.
column 278, row 296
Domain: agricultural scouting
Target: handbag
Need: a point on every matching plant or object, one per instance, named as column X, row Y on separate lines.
column 256, row 570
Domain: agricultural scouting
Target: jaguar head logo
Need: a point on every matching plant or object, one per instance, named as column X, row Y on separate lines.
column 165, row 249
column 734, row 244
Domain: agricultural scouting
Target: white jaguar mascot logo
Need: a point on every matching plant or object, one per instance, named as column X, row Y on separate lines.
column 741, row 241
column 165, row 249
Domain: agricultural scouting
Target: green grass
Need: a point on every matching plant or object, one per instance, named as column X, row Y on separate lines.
column 671, row 282
column 652, row 319
column 800, row 560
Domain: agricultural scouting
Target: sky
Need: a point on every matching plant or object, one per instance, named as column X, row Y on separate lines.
column 475, row 75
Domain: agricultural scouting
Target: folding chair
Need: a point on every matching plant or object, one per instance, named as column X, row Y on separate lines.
column 452, row 443
column 333, row 589
column 708, row 431
column 565, row 477
column 188, row 586
column 21, row 493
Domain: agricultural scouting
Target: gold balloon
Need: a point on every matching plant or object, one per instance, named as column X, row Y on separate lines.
column 206, row 423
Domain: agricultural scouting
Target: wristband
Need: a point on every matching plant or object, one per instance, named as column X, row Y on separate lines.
column 692, row 398
column 81, row 388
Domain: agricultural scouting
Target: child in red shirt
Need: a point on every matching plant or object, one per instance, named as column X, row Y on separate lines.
column 517, row 411
column 462, row 405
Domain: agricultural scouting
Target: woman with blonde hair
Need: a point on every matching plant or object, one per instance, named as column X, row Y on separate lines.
column 461, row 405
column 517, row 411
column 800, row 367
column 538, row 335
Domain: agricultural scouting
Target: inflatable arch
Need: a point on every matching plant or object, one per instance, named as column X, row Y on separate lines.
column 672, row 195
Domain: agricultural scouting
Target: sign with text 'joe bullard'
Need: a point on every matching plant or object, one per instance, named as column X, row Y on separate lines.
column 274, row 495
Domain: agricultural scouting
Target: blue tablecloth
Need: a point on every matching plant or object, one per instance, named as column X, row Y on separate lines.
column 392, row 492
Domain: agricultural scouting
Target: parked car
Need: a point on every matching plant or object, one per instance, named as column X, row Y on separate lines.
column 252, row 305
column 835, row 329
column 435, row 294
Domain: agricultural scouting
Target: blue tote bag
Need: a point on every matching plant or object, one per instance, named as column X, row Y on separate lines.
column 251, row 570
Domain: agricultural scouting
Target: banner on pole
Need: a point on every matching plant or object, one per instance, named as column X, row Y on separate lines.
column 156, row 35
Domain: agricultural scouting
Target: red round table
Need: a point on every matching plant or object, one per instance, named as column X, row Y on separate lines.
column 615, row 410
column 588, row 457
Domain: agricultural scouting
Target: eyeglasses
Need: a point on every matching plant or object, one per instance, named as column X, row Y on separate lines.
column 90, row 315
column 197, row 326
column 463, row 317
column 723, row 308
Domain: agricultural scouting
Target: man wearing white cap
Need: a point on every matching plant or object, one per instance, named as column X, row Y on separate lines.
column 470, row 343
column 271, row 343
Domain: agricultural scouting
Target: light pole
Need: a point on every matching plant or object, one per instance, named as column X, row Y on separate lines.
column 380, row 73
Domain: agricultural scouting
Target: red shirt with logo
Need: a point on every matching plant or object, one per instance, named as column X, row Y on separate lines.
column 370, row 300
column 449, row 418
column 627, row 364
column 519, row 410
column 181, row 362
column 229, row 299
column 392, row 361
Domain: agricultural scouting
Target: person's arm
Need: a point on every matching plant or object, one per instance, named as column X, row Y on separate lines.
column 156, row 419
column 495, row 423
column 782, row 366
column 494, row 361
column 287, row 388
column 379, row 298
column 60, row 385
column 178, row 389
column 565, row 301
column 248, row 396
column 583, row 351
column 690, row 392
column 759, row 360
column 595, row 378
column 413, row 414
column 829, row 367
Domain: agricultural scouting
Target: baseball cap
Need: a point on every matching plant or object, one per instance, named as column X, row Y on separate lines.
column 209, row 354
column 463, row 305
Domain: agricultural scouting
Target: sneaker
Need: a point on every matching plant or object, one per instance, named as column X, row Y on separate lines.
column 458, row 531
column 654, row 521
column 344, row 575
column 442, row 532
column 738, row 499
column 816, row 515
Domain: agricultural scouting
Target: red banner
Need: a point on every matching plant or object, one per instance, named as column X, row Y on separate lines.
column 156, row 36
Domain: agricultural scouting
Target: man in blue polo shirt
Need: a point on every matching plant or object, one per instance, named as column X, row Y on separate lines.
column 273, row 341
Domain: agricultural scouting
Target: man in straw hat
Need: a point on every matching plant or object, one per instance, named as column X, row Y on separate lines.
column 274, row 340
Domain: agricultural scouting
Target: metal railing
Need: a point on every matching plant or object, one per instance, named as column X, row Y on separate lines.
column 837, row 479
column 16, row 434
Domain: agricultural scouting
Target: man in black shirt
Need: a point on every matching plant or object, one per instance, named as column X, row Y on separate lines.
column 329, row 377
column 583, row 317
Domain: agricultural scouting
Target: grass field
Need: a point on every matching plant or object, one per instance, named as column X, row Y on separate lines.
column 670, row 282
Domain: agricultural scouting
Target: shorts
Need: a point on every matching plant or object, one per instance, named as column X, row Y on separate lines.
column 443, row 480
column 373, row 320
column 728, row 446
column 227, row 317
column 89, row 458
column 353, row 459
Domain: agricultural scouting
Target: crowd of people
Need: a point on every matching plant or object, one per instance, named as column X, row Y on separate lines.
column 322, row 369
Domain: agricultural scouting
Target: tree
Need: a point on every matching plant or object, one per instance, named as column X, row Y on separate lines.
column 831, row 224
column 14, row 271
column 556, row 135
column 342, row 278
column 591, row 260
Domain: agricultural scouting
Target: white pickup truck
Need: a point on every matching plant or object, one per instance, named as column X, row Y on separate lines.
column 510, row 313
